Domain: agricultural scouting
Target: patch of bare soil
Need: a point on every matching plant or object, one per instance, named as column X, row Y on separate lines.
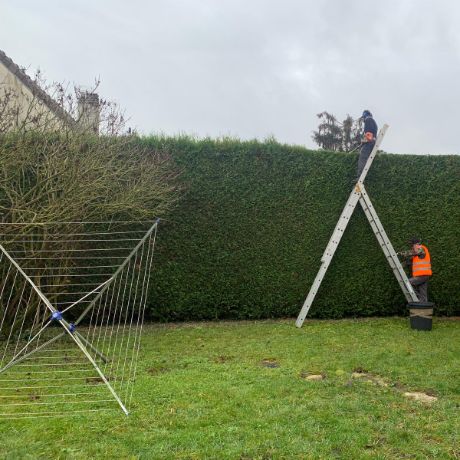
column 157, row 370
column 420, row 396
column 359, row 373
column 270, row 363
column 312, row 377
column 94, row 380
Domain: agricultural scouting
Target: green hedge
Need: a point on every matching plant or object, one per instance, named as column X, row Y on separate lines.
column 247, row 236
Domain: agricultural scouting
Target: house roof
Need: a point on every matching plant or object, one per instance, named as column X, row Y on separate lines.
column 35, row 89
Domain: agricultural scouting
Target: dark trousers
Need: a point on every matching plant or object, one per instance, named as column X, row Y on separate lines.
column 364, row 154
column 420, row 285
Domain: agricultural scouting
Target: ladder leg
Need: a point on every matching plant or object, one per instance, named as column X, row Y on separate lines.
column 386, row 246
column 329, row 253
column 312, row 293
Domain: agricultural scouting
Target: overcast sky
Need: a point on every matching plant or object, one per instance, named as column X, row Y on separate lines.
column 254, row 68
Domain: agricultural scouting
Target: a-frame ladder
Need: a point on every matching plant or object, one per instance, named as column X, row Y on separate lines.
column 359, row 194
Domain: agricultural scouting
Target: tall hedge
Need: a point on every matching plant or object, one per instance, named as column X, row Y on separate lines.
column 247, row 236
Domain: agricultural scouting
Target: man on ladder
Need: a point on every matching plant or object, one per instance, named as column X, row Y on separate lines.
column 360, row 195
column 420, row 260
column 368, row 141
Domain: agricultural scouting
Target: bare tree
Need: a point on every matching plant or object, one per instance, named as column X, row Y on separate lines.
column 46, row 107
column 52, row 171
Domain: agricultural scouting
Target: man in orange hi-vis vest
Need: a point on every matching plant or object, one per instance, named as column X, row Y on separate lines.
column 420, row 260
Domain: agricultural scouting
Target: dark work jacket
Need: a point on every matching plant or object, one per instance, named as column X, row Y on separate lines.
column 370, row 126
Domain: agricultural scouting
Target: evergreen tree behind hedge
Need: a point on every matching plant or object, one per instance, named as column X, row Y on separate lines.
column 337, row 136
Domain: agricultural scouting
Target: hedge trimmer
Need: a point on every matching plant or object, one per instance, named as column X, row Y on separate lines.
column 356, row 148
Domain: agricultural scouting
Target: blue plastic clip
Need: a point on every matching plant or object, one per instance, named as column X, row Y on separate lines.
column 56, row 316
column 72, row 327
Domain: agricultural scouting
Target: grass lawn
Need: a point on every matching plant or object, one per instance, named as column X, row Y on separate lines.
column 240, row 391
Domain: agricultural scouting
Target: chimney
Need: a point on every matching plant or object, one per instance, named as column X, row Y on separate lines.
column 89, row 112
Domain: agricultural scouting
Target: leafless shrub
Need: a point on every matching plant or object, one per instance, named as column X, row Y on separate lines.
column 52, row 171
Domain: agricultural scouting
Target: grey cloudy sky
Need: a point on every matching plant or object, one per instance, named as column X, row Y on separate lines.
column 254, row 68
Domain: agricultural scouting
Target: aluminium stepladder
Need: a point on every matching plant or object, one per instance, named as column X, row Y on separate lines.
column 359, row 194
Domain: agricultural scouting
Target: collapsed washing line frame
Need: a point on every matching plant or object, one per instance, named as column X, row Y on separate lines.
column 70, row 328
column 360, row 194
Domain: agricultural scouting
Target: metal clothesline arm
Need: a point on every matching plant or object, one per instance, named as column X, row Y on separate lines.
column 120, row 268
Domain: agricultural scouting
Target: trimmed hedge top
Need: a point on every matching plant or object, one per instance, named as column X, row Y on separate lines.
column 246, row 239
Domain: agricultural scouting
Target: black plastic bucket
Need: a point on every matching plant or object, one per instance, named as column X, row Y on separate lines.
column 421, row 315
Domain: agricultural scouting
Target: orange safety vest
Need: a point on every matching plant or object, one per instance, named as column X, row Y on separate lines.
column 422, row 267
